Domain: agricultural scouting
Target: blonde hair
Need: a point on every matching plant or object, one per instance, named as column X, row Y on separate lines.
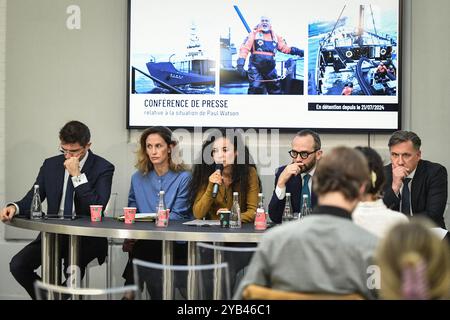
column 143, row 163
column 414, row 263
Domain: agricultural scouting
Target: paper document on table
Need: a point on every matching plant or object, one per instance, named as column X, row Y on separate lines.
column 439, row 232
column 202, row 223
column 141, row 217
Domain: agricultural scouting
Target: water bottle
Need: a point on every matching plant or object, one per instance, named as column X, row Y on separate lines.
column 306, row 210
column 287, row 213
column 162, row 217
column 260, row 219
column 235, row 218
column 36, row 204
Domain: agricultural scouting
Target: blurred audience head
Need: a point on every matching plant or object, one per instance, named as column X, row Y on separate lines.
column 342, row 170
column 377, row 176
column 414, row 263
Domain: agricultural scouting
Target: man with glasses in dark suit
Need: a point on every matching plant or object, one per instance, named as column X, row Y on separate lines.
column 296, row 178
column 70, row 183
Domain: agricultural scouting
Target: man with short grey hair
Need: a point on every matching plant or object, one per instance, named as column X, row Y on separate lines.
column 414, row 186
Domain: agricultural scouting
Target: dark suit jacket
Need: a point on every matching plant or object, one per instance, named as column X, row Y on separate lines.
column 294, row 186
column 97, row 190
column 428, row 191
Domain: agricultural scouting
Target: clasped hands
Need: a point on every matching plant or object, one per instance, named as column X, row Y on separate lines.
column 398, row 174
column 72, row 165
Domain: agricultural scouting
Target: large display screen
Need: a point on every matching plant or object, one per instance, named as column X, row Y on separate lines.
column 325, row 64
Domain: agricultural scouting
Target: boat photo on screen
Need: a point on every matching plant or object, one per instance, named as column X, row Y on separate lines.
column 355, row 54
column 172, row 56
column 285, row 72
column 181, row 49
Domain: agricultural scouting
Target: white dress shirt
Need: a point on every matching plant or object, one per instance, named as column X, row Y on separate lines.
column 77, row 181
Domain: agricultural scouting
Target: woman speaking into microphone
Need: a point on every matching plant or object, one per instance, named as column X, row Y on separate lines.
column 226, row 166
column 222, row 170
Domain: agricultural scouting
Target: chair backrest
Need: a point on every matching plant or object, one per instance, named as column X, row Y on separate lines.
column 206, row 282
column 45, row 291
column 237, row 255
column 256, row 292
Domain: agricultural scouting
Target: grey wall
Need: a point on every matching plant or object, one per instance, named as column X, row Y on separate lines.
column 430, row 81
column 54, row 75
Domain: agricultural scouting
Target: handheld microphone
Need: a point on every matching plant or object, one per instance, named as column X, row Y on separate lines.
column 216, row 186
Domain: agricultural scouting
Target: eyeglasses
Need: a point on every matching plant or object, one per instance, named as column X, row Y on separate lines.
column 303, row 154
column 71, row 152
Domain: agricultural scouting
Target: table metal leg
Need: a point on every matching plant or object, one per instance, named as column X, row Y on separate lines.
column 218, row 258
column 47, row 256
column 74, row 271
column 49, row 260
column 57, row 262
column 192, row 289
column 167, row 259
column 109, row 261
column 57, row 259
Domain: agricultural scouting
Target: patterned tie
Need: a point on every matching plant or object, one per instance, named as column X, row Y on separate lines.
column 406, row 196
column 305, row 190
column 68, row 200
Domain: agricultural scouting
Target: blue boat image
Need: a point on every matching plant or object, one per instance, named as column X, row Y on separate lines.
column 318, row 28
column 166, row 72
column 351, row 56
column 192, row 73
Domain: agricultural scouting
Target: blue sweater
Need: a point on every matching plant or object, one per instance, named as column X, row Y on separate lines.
column 144, row 193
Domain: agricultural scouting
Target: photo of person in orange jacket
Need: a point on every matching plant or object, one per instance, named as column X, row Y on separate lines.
column 262, row 43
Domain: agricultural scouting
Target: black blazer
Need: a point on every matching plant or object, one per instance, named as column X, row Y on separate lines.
column 428, row 191
column 97, row 190
column 50, row 179
column 294, row 186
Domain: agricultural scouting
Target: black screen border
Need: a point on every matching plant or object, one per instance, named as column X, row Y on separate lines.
column 284, row 129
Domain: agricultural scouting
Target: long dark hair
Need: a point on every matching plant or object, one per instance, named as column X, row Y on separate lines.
column 376, row 168
column 205, row 166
